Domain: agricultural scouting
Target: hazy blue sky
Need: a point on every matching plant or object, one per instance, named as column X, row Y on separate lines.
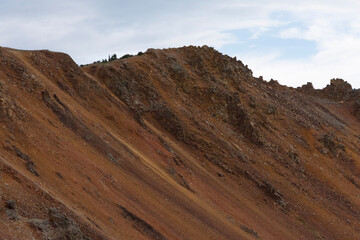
column 291, row 41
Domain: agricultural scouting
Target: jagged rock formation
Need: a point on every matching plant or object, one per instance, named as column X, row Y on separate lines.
column 338, row 90
column 58, row 227
column 173, row 144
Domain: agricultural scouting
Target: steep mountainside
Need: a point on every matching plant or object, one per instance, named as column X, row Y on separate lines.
column 173, row 144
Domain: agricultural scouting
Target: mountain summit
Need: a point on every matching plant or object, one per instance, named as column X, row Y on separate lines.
column 174, row 144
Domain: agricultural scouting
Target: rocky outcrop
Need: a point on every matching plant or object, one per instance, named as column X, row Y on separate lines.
column 241, row 119
column 307, row 88
column 58, row 226
column 356, row 109
column 141, row 225
column 338, row 90
column 11, row 211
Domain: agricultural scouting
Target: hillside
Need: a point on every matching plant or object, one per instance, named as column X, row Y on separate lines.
column 173, row 144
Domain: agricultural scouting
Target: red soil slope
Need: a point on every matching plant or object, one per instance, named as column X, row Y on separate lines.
column 174, row 144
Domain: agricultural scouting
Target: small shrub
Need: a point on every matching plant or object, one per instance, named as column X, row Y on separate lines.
column 126, row 56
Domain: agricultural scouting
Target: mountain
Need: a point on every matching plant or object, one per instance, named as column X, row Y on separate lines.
column 174, row 144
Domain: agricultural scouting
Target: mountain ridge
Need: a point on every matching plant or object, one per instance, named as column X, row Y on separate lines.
column 175, row 144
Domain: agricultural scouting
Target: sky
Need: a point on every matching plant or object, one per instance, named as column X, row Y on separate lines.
column 294, row 42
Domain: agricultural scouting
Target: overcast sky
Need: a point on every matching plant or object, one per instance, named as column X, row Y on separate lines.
column 292, row 41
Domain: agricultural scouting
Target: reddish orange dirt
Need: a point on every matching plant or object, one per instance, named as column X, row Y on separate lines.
column 173, row 144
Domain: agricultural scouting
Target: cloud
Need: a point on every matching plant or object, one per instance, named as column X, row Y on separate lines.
column 90, row 30
column 332, row 27
column 293, row 32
